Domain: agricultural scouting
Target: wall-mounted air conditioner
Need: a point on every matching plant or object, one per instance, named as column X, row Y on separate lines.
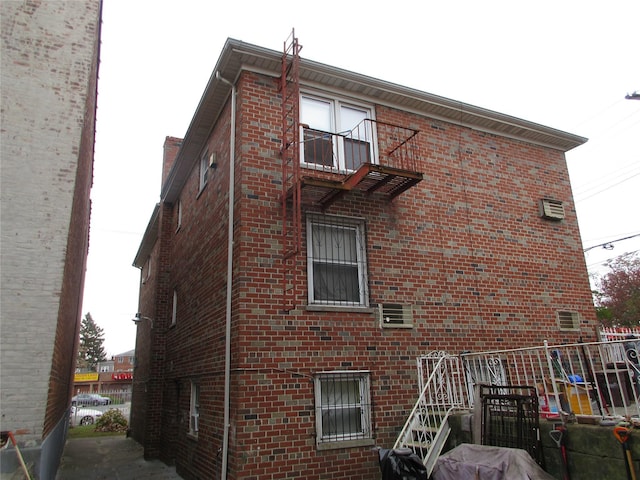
column 395, row 315
column 551, row 209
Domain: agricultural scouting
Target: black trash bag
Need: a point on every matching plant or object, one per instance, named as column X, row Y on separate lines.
column 401, row 464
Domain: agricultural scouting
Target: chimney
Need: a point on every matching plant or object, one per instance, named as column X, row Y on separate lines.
column 171, row 148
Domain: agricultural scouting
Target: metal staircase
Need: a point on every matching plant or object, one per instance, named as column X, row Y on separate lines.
column 444, row 391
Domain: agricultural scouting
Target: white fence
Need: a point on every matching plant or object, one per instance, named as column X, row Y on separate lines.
column 599, row 378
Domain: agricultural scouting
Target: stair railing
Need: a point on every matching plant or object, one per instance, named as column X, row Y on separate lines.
column 427, row 427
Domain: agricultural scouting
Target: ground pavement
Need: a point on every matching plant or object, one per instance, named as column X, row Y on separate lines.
column 110, row 458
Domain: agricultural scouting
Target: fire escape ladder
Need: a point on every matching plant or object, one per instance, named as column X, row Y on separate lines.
column 290, row 155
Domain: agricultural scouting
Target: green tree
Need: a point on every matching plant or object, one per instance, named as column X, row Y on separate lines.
column 91, row 350
column 618, row 296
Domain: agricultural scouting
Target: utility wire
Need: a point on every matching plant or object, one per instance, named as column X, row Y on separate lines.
column 623, row 172
column 607, row 188
column 609, row 245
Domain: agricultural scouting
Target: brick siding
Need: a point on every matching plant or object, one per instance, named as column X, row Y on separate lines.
column 466, row 247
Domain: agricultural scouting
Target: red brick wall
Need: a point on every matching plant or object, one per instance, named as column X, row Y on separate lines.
column 466, row 247
column 141, row 370
column 171, row 148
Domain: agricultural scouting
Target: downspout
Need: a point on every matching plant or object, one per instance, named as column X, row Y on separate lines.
column 227, row 343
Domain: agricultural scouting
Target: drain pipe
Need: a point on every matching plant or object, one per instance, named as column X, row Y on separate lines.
column 227, row 343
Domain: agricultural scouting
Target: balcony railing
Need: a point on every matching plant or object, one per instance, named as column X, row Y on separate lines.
column 370, row 141
column 374, row 157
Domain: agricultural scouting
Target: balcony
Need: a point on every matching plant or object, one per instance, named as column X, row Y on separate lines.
column 376, row 158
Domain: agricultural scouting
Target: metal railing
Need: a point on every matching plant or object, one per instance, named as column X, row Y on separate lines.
column 87, row 411
column 370, row 141
column 598, row 378
column 587, row 379
column 442, row 391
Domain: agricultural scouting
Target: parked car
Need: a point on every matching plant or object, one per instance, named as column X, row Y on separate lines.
column 84, row 416
column 90, row 399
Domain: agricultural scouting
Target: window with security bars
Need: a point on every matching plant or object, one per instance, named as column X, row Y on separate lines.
column 343, row 406
column 336, row 261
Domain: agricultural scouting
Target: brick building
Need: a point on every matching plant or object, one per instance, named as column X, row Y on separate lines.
column 372, row 223
column 50, row 54
column 113, row 377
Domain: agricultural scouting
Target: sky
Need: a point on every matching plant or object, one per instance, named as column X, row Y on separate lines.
column 564, row 64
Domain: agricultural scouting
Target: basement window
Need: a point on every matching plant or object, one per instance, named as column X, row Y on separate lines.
column 343, row 408
column 568, row 320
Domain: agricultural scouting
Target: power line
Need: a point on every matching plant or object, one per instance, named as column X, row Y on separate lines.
column 607, row 188
column 607, row 177
column 609, row 245
column 606, row 262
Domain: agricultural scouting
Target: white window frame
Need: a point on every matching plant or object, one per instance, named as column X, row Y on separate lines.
column 204, row 169
column 146, row 271
column 174, row 308
column 179, row 215
column 355, row 225
column 337, row 129
column 194, row 409
column 324, row 409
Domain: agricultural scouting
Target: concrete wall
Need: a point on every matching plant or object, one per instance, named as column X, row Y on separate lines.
column 592, row 450
column 49, row 84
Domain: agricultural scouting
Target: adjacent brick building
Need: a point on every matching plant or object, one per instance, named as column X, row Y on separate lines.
column 49, row 90
column 372, row 223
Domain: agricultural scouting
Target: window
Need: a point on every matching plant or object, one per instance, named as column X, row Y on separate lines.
column 174, row 313
column 146, row 271
column 336, row 135
column 179, row 215
column 336, row 261
column 343, row 406
column 194, row 409
column 204, row 168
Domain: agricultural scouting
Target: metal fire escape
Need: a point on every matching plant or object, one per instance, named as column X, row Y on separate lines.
column 290, row 153
column 381, row 160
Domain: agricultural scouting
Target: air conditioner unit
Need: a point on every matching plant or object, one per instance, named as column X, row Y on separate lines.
column 551, row 209
column 395, row 315
column 568, row 320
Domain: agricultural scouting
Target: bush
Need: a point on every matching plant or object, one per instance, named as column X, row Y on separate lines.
column 111, row 421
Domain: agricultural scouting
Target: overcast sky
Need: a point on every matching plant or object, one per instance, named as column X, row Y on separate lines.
column 565, row 64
